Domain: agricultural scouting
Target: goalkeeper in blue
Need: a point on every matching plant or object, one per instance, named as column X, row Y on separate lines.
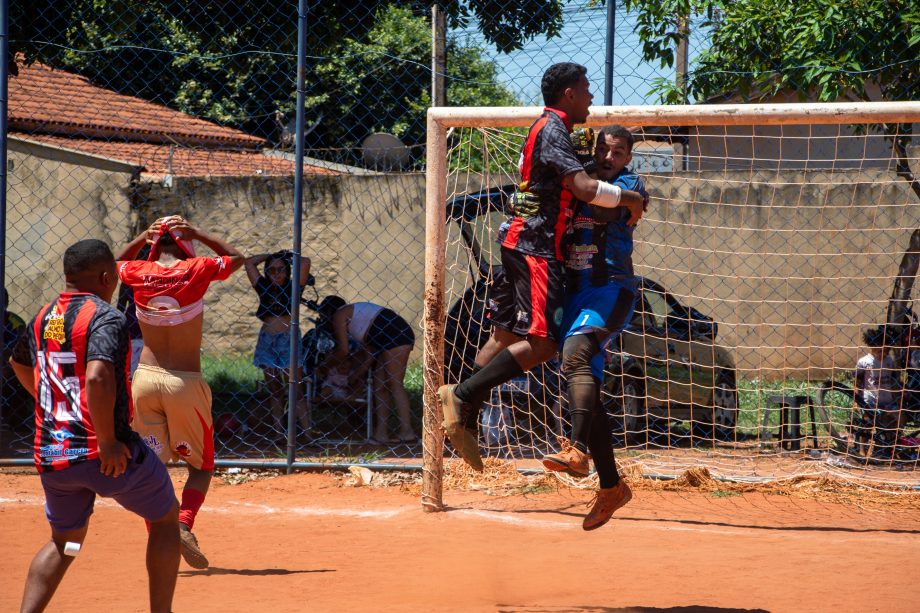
column 601, row 290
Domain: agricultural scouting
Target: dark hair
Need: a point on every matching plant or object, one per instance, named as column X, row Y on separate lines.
column 327, row 309
column 557, row 78
column 617, row 131
column 285, row 257
column 86, row 255
column 876, row 337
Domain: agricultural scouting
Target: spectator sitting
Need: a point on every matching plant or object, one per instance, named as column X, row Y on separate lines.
column 389, row 338
column 273, row 347
column 876, row 381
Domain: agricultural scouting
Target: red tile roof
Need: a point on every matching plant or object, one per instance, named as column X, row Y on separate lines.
column 186, row 162
column 55, row 101
column 65, row 110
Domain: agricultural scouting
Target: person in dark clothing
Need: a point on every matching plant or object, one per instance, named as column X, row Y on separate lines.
column 273, row 347
column 601, row 290
column 525, row 331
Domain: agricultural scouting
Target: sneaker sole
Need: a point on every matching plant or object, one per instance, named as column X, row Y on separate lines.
column 466, row 446
column 562, row 467
column 622, row 504
column 462, row 439
column 193, row 558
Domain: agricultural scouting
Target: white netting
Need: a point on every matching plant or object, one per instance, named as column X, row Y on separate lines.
column 766, row 251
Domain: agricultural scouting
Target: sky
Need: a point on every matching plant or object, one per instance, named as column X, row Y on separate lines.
column 583, row 41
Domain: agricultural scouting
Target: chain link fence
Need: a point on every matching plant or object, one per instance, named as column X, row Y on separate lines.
column 121, row 112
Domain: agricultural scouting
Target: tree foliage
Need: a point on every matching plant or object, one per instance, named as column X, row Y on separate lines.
column 823, row 49
column 235, row 63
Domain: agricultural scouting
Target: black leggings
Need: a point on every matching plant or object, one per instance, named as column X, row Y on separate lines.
column 590, row 425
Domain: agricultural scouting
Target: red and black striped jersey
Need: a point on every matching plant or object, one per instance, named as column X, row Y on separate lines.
column 543, row 205
column 59, row 342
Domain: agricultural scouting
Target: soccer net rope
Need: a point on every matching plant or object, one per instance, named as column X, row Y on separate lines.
column 775, row 237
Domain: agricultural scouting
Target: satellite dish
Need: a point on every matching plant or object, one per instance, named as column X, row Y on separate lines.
column 383, row 151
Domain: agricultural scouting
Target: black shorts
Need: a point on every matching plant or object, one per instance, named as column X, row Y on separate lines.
column 526, row 298
column 388, row 331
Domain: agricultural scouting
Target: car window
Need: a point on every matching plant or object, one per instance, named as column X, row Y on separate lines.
column 658, row 307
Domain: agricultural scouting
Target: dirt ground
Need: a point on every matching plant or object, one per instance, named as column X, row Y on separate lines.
column 309, row 542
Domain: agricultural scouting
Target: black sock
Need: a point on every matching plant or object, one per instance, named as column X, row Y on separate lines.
column 476, row 389
column 582, row 393
column 600, row 442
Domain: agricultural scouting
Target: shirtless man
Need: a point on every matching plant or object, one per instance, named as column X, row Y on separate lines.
column 172, row 402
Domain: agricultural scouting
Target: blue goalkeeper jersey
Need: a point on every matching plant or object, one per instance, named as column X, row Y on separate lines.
column 597, row 251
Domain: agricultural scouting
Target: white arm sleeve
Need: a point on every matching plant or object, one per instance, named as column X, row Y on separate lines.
column 607, row 195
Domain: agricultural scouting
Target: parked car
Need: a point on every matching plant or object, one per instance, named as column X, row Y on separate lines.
column 667, row 366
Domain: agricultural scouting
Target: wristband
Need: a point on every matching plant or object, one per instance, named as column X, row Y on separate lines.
column 607, row 195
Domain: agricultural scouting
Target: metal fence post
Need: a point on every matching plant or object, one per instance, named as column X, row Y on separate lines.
column 293, row 379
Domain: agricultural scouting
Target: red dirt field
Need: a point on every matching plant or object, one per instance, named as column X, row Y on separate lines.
column 306, row 542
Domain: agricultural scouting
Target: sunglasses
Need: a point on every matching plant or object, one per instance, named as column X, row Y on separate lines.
column 272, row 269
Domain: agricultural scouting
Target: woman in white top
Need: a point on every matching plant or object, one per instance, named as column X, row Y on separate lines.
column 389, row 338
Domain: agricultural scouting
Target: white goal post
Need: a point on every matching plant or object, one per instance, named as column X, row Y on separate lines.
column 442, row 119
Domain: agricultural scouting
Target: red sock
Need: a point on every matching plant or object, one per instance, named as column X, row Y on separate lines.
column 191, row 502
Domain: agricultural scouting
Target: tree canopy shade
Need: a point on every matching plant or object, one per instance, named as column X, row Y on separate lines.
column 823, row 49
column 235, row 63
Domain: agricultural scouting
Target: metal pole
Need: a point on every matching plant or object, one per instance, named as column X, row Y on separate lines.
column 608, row 63
column 438, row 56
column 4, row 104
column 293, row 370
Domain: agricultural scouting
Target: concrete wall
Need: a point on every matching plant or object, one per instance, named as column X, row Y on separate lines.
column 54, row 199
column 363, row 234
column 792, row 265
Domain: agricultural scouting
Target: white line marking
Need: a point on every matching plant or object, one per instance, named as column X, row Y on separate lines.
column 510, row 518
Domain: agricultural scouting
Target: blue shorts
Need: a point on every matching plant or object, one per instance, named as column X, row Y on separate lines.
column 603, row 310
column 273, row 350
column 144, row 489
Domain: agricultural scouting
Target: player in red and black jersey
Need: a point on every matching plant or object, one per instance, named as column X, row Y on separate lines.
column 525, row 327
column 73, row 358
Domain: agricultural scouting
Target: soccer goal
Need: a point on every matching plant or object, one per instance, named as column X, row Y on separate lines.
column 776, row 236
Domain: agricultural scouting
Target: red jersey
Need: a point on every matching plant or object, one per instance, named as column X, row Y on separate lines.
column 65, row 335
column 170, row 295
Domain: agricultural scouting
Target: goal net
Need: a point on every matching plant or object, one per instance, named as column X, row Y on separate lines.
column 776, row 236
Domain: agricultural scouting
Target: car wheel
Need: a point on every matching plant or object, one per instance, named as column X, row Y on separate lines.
column 725, row 406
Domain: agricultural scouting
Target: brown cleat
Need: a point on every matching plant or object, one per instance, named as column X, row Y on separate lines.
column 605, row 502
column 570, row 460
column 189, row 547
column 463, row 440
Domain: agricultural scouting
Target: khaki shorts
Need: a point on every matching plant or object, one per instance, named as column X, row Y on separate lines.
column 172, row 412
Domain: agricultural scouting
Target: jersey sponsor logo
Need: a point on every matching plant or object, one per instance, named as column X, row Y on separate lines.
column 183, row 449
column 557, row 316
column 153, row 443
column 164, row 282
column 584, row 223
column 54, row 327
column 61, row 435
column 523, row 317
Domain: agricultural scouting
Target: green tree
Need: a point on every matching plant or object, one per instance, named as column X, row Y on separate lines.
column 824, row 49
column 235, row 63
